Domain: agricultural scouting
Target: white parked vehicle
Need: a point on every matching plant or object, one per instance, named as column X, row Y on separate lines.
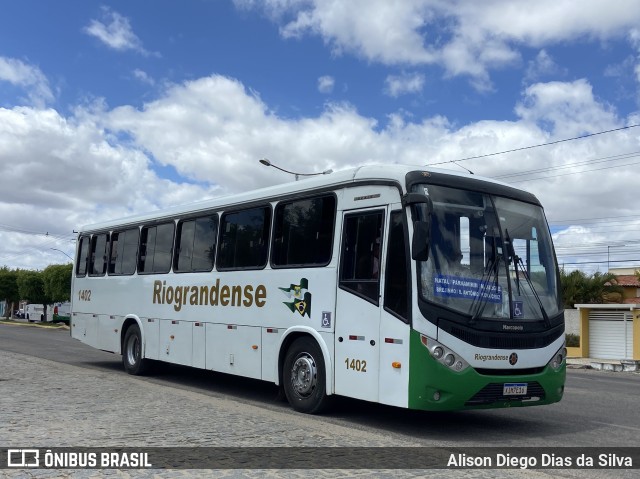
column 34, row 312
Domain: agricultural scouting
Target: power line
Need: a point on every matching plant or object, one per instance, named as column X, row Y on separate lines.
column 15, row 229
column 575, row 172
column 536, row 146
column 562, row 263
column 582, row 220
column 604, row 159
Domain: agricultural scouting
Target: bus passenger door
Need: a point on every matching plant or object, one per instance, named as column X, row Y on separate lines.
column 357, row 323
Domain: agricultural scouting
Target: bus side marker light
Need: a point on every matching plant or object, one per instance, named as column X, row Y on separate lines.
column 172, row 337
column 396, row 365
column 254, row 347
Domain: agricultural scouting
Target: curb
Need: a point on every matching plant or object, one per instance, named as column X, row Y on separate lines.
column 36, row 325
column 630, row 366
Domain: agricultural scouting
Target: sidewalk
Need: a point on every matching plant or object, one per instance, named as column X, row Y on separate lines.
column 621, row 365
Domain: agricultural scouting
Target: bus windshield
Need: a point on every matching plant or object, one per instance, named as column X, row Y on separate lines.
column 490, row 257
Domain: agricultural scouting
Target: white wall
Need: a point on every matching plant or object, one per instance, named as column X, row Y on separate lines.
column 572, row 321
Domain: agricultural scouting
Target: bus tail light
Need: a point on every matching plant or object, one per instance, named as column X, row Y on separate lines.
column 444, row 355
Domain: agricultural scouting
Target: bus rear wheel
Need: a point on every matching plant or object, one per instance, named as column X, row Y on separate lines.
column 304, row 376
column 132, row 358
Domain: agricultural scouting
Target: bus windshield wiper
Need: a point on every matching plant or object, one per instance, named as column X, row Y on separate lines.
column 513, row 257
column 520, row 268
column 483, row 297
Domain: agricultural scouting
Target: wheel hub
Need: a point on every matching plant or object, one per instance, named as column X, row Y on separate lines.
column 133, row 350
column 304, row 375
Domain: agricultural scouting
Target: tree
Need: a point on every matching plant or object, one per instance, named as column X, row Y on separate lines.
column 9, row 289
column 57, row 282
column 580, row 288
column 31, row 288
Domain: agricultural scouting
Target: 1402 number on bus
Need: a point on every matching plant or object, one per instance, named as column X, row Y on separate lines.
column 359, row 365
column 84, row 295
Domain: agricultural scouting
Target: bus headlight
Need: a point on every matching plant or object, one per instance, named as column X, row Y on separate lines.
column 558, row 359
column 444, row 355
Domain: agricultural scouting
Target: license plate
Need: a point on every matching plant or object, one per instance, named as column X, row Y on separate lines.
column 514, row 389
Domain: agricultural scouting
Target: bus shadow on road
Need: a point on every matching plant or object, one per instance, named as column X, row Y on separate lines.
column 496, row 426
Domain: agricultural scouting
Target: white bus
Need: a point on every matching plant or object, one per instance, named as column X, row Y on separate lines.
column 422, row 289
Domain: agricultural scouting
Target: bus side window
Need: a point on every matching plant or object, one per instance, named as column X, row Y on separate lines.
column 156, row 244
column 244, row 238
column 83, row 256
column 360, row 258
column 124, row 249
column 396, row 286
column 196, row 244
column 98, row 255
column 303, row 232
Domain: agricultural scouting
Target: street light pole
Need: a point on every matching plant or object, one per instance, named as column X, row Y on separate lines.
column 56, row 249
column 266, row 162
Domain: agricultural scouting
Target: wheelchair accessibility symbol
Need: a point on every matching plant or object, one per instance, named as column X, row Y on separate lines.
column 326, row 319
column 518, row 309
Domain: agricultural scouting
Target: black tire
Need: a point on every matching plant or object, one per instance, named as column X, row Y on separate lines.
column 304, row 377
column 132, row 359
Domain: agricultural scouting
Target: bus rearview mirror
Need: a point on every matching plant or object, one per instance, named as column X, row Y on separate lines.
column 421, row 238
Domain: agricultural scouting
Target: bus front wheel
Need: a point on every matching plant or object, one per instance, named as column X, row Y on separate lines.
column 304, row 376
column 132, row 358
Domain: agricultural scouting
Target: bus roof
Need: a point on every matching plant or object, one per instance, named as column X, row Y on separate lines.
column 389, row 173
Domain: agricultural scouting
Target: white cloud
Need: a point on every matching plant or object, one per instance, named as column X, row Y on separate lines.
column 568, row 108
column 326, row 84
column 114, row 30
column 542, row 66
column 634, row 37
column 464, row 38
column 61, row 171
column 27, row 77
column 396, row 85
column 143, row 77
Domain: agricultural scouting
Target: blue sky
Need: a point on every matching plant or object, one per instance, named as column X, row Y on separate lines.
column 113, row 108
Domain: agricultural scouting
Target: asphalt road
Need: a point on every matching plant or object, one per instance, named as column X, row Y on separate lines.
column 599, row 407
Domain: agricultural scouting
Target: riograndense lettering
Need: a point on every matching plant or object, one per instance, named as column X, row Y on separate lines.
column 491, row 357
column 213, row 295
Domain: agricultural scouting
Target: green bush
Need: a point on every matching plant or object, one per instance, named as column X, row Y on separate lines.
column 573, row 340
